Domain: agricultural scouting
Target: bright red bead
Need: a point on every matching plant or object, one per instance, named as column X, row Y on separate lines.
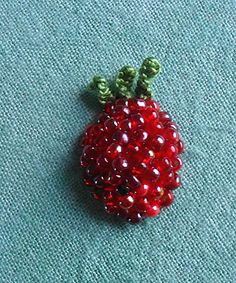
column 177, row 163
column 168, row 199
column 150, row 114
column 153, row 210
column 142, row 190
column 131, row 157
column 172, row 135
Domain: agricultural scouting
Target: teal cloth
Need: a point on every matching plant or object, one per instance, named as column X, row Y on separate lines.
column 51, row 230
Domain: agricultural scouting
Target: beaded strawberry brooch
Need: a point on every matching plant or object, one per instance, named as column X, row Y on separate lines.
column 131, row 154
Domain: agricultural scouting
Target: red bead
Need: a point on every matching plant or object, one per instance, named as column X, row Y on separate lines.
column 168, row 199
column 111, row 125
column 102, row 141
column 177, row 163
column 121, row 112
column 175, row 183
column 171, row 125
column 103, row 117
column 153, row 174
column 157, row 143
column 120, row 137
column 142, row 204
column 119, row 164
column 136, row 104
column 142, row 190
column 163, row 164
column 171, row 151
column 156, row 193
column 153, row 210
column 152, row 103
column 156, row 127
column 126, row 202
column 131, row 157
column 109, row 107
column 122, row 102
column 132, row 181
column 164, row 117
column 150, row 114
column 140, row 168
column 111, row 207
column 125, row 125
column 89, row 153
column 180, row 147
column 140, row 136
column 137, row 120
column 115, row 178
column 102, row 161
column 147, row 155
column 172, row 135
column 113, row 150
column 134, row 217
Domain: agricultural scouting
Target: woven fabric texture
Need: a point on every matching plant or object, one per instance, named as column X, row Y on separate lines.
column 51, row 230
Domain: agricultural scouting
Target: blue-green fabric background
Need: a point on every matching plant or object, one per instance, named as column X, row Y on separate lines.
column 51, row 231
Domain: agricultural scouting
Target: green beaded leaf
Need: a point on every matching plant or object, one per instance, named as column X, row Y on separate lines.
column 125, row 80
column 149, row 69
column 101, row 87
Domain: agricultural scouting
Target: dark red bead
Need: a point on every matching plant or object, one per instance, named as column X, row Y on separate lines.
column 103, row 117
column 180, row 147
column 113, row 150
column 134, row 217
column 157, row 143
column 164, row 117
column 132, row 181
column 119, row 164
column 126, row 201
column 140, row 136
column 111, row 125
column 137, row 120
column 109, row 107
column 120, row 137
column 122, row 102
column 152, row 103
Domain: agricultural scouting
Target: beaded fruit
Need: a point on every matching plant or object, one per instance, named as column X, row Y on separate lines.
column 131, row 154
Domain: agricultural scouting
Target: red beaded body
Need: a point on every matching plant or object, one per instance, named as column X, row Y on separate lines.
column 131, row 158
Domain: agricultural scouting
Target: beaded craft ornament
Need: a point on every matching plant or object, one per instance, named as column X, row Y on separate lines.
column 131, row 154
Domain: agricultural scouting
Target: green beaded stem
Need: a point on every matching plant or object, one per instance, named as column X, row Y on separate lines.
column 125, row 80
column 101, row 87
column 149, row 69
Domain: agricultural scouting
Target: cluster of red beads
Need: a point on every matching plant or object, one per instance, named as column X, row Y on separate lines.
column 131, row 158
